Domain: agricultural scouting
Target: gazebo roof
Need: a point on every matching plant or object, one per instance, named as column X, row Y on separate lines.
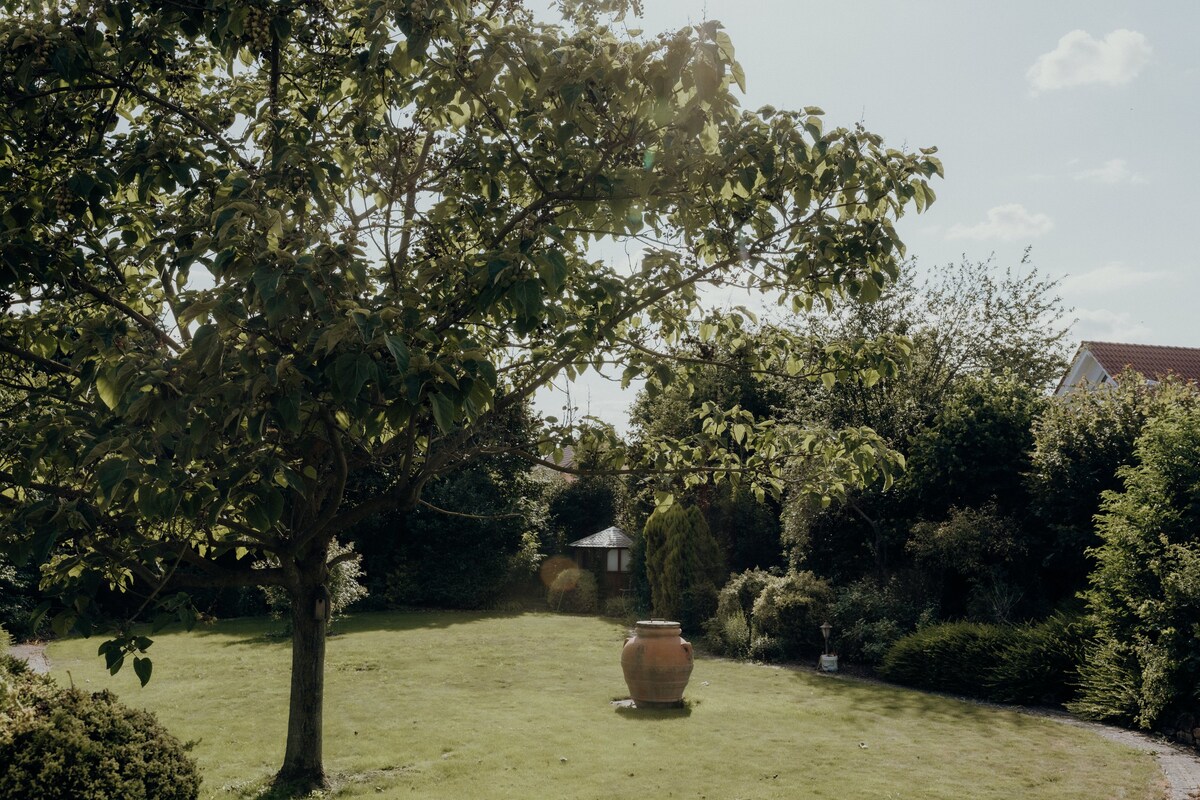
column 609, row 537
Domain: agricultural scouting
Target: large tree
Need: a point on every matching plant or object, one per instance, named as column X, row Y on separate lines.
column 248, row 248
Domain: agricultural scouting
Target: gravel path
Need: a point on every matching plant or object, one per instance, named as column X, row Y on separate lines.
column 33, row 654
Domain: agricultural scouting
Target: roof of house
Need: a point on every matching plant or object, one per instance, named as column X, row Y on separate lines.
column 609, row 537
column 1152, row 361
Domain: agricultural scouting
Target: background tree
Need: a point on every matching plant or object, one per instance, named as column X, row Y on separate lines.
column 1081, row 442
column 247, row 251
column 1145, row 589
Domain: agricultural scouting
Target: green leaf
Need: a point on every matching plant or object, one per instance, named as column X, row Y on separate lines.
column 399, row 351
column 351, row 371
column 443, row 412
column 143, row 667
column 109, row 388
column 552, row 267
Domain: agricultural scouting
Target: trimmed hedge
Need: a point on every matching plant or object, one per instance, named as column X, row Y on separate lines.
column 64, row 744
column 1031, row 664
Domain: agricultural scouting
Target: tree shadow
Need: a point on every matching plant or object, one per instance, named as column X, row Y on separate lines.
column 873, row 696
column 360, row 622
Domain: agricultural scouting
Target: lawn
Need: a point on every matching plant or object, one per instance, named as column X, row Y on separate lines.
column 456, row 705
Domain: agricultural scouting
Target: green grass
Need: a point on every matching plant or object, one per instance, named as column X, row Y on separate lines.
column 458, row 705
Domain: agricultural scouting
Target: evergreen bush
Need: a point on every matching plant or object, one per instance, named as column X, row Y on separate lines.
column 1040, row 666
column 1034, row 664
column 956, row 657
column 684, row 565
column 870, row 615
column 65, row 744
column 1145, row 589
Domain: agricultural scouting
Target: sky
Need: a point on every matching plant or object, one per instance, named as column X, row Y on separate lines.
column 1067, row 127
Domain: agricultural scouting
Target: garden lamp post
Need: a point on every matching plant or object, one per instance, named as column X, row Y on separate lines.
column 825, row 629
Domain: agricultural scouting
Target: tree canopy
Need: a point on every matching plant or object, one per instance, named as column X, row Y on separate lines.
column 249, row 248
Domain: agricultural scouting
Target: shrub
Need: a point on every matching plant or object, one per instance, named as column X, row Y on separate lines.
column 955, row 657
column 869, row 615
column 728, row 632
column 620, row 608
column 64, row 744
column 791, row 609
column 1032, row 664
column 574, row 591
column 5, row 641
column 1041, row 665
column 1145, row 589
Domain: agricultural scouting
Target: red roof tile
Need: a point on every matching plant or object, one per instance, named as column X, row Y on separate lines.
column 1152, row 361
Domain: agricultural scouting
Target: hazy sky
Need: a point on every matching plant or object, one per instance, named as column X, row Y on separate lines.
column 1070, row 127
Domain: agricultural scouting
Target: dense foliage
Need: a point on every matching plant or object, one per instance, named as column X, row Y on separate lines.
column 683, row 564
column 1081, row 441
column 65, row 744
column 764, row 616
column 1145, row 589
column 1031, row 664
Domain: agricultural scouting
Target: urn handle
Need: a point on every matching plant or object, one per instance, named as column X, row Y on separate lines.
column 687, row 648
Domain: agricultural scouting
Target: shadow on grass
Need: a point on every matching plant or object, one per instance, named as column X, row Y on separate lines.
column 654, row 714
column 361, row 622
column 886, row 699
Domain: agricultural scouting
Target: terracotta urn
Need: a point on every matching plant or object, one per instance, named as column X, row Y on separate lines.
column 657, row 662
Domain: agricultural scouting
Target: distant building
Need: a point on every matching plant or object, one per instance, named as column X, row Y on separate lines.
column 1099, row 364
column 606, row 552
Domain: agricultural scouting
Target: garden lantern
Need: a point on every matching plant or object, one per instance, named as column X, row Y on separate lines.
column 828, row 663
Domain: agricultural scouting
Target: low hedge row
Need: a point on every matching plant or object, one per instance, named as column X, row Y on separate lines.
column 1028, row 664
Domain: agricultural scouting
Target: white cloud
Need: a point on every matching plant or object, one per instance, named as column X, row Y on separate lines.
column 1011, row 221
column 1113, row 171
column 1079, row 60
column 1102, row 325
column 1112, row 276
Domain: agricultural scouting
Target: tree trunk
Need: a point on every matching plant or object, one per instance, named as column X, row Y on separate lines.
column 302, row 769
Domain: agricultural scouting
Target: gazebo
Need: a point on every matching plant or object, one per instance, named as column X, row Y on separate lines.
column 606, row 552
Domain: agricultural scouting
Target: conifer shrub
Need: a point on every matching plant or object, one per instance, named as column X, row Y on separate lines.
column 684, row 565
column 1040, row 666
column 574, row 591
column 955, row 657
column 1036, row 664
column 65, row 744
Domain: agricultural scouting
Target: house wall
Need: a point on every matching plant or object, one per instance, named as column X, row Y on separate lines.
column 1085, row 371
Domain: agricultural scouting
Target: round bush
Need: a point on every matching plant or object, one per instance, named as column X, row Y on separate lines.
column 574, row 591
column 790, row 610
column 65, row 744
